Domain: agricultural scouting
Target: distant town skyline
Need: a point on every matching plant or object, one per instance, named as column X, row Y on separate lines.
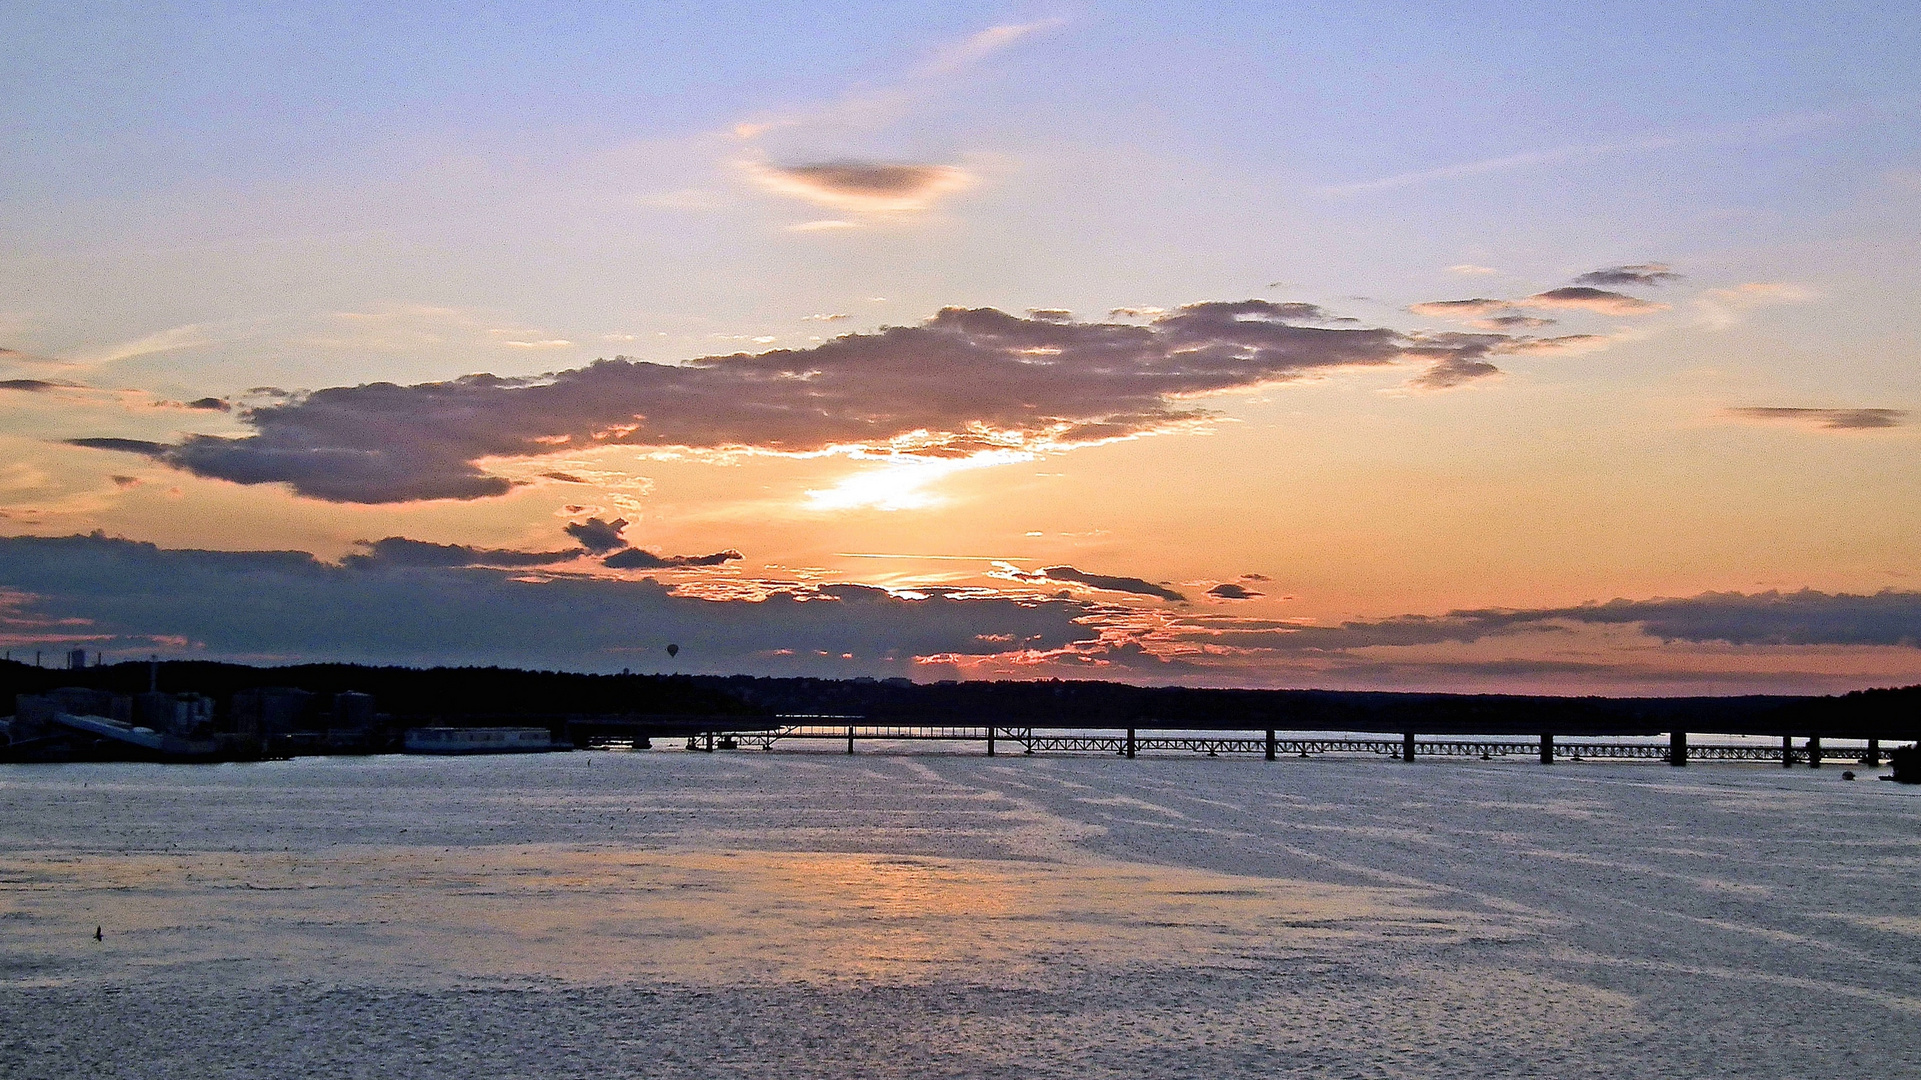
column 1474, row 347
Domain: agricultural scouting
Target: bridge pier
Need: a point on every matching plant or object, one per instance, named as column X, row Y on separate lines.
column 1407, row 747
column 1873, row 756
column 990, row 740
column 1787, row 751
column 1678, row 748
column 1814, row 751
column 1270, row 744
column 850, row 739
column 1130, row 744
column 1547, row 748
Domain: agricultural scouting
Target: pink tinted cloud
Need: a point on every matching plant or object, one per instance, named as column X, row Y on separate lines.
column 963, row 382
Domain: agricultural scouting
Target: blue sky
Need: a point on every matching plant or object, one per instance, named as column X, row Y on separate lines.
column 139, row 94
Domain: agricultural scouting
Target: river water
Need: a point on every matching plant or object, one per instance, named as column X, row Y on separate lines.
column 666, row 914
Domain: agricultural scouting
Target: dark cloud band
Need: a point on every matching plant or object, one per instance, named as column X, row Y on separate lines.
column 408, row 603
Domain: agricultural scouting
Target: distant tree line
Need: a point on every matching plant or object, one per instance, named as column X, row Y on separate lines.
column 508, row 696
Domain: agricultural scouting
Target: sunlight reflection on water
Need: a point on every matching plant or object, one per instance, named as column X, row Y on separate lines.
column 696, row 915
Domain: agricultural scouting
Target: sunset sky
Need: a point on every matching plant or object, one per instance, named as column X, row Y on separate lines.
column 1467, row 347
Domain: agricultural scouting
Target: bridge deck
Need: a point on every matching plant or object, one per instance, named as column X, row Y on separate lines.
column 1031, row 741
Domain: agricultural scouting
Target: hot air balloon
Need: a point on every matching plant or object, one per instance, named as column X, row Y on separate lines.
column 673, row 651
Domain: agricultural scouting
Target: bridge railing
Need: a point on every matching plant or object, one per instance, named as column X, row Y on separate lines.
column 1032, row 741
column 765, row 740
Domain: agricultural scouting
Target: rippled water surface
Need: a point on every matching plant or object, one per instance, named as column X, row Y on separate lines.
column 683, row 915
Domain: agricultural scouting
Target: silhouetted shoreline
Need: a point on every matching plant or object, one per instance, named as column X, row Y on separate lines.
column 347, row 708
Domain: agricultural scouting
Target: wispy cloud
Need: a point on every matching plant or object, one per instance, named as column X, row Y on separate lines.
column 1826, row 419
column 1761, row 130
column 875, row 107
column 971, row 50
column 189, row 336
column 1721, row 308
column 410, row 328
column 18, row 358
column 1527, row 159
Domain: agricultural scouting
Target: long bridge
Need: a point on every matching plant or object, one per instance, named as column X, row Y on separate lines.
column 1678, row 749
